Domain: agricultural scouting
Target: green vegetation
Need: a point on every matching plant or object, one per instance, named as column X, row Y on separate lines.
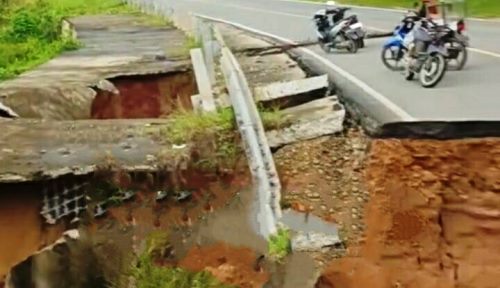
column 192, row 43
column 214, row 134
column 273, row 118
column 30, row 30
column 146, row 273
column 186, row 126
column 475, row 8
column 279, row 245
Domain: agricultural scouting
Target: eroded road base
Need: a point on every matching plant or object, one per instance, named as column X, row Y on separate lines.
column 433, row 219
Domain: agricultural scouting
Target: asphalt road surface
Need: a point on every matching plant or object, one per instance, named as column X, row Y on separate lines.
column 470, row 94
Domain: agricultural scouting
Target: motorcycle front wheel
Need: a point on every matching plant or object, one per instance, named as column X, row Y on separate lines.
column 324, row 46
column 433, row 70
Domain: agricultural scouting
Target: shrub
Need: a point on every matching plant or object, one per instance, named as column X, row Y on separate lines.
column 280, row 244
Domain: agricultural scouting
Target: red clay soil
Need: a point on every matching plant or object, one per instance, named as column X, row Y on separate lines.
column 23, row 232
column 433, row 219
column 150, row 96
column 230, row 265
column 150, row 215
column 21, row 228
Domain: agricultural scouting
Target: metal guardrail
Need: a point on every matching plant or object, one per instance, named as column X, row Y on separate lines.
column 259, row 155
column 250, row 125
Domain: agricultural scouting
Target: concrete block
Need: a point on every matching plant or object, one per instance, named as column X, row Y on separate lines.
column 197, row 103
column 279, row 90
column 203, row 80
column 311, row 120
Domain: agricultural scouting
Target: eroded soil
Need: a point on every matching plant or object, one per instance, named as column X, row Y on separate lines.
column 230, row 265
column 324, row 177
column 433, row 219
column 150, row 96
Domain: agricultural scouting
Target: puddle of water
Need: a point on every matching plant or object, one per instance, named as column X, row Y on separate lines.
column 298, row 270
column 307, row 223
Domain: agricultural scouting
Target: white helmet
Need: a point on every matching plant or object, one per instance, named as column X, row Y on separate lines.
column 331, row 3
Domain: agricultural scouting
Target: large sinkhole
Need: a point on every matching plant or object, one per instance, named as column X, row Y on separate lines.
column 144, row 96
column 150, row 95
column 38, row 213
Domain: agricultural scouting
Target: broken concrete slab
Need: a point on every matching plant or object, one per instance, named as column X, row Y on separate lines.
column 35, row 149
column 314, row 119
column 291, row 88
column 312, row 242
column 311, row 233
column 260, row 70
column 61, row 88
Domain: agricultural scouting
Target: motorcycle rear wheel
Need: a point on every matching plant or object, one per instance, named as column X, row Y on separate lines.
column 433, row 70
column 361, row 43
column 353, row 46
column 394, row 60
column 459, row 63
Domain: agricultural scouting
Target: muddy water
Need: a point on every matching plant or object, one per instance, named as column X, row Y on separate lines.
column 21, row 227
column 306, row 223
column 233, row 221
column 236, row 224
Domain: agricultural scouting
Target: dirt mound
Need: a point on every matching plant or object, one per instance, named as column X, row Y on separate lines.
column 433, row 219
column 230, row 265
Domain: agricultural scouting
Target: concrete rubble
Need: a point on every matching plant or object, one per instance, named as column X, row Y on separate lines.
column 311, row 120
column 313, row 241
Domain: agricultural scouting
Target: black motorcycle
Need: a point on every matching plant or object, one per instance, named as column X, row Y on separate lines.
column 340, row 32
column 457, row 43
column 426, row 53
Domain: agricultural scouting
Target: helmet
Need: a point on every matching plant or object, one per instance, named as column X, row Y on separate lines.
column 331, row 3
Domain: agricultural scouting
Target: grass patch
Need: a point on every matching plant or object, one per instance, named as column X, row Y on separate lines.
column 279, row 245
column 213, row 135
column 30, row 30
column 191, row 43
column 273, row 118
column 185, row 126
column 146, row 273
column 475, row 8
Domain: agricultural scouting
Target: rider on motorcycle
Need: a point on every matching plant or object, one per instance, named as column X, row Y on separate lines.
column 428, row 9
column 323, row 20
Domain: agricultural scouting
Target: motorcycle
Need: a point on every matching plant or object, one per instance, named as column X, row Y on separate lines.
column 456, row 44
column 452, row 13
column 426, row 53
column 393, row 49
column 339, row 33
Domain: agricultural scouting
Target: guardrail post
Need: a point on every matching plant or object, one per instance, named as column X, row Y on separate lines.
column 207, row 44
